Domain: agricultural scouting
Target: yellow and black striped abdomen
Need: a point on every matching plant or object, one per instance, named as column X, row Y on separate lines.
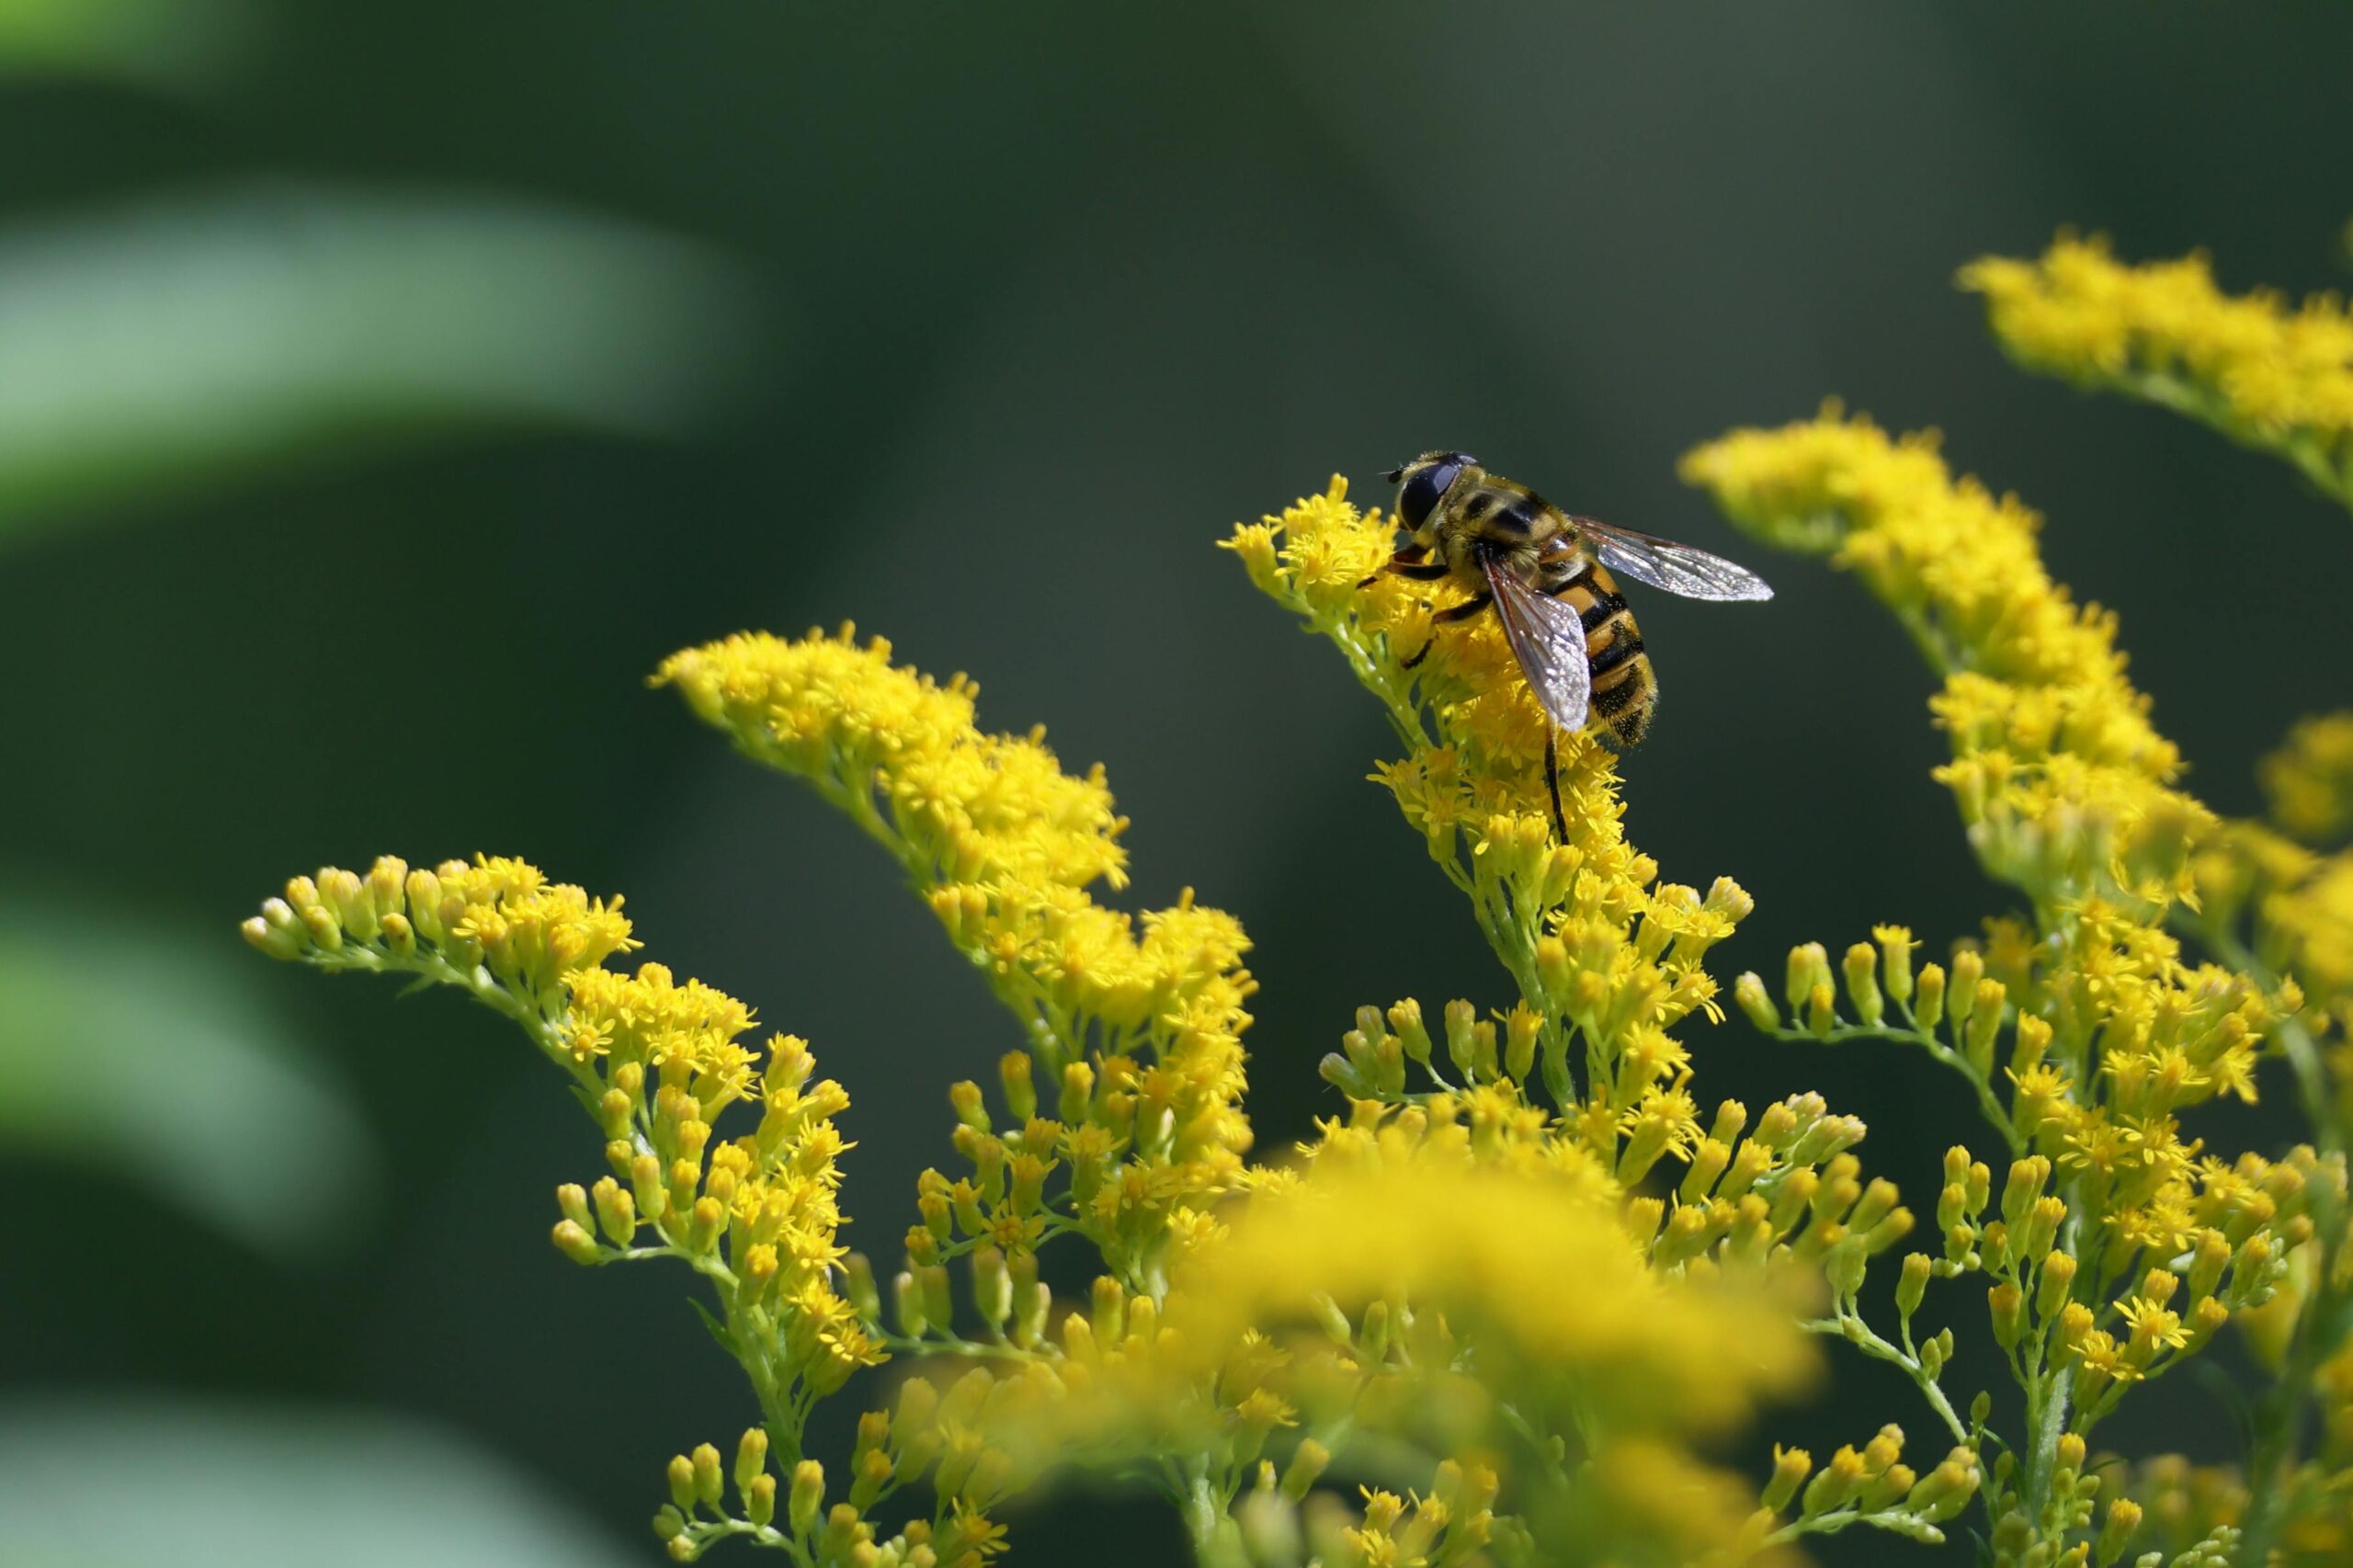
column 1625, row 689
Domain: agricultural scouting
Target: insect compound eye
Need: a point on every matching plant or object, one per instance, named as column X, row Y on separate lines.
column 1422, row 491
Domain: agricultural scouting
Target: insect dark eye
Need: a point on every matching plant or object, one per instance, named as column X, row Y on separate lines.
column 1421, row 493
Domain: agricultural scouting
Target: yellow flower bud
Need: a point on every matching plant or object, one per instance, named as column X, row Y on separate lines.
column 938, row 1299
column 1305, row 1466
column 1791, row 1467
column 1928, row 1001
column 1748, row 992
column 2042, row 1226
column 1968, row 970
column 2116, row 1530
column 2212, row 1256
column 1946, row 1490
column 1895, row 945
column 965, row 1097
column 1707, row 1163
column 1984, row 1024
column 2006, row 1305
column 2058, row 1279
column 908, row 1303
column 751, row 1456
column 1912, row 1285
column 2026, row 1180
column 572, row 1240
column 1809, row 967
column 645, row 1185
column 992, row 1288
column 1521, row 1026
column 807, row 1497
column 1838, row 1480
column 1020, row 1092
column 1078, row 1091
column 2205, row 1319
column 871, row 1472
column 708, row 1478
column 1861, row 966
column 1108, row 1311
column 616, row 1211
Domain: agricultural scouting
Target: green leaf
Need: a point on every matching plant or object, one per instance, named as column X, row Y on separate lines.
column 718, row 1329
column 121, row 1484
column 145, row 1056
column 154, row 44
column 185, row 341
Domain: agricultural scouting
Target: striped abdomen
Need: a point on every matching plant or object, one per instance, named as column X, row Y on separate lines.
column 1625, row 689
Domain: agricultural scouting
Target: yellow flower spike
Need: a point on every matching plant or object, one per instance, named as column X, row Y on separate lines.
column 1599, row 946
column 1005, row 846
column 2249, row 366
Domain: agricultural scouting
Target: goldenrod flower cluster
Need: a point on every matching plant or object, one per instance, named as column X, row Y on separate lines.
column 2117, row 1246
column 657, row 1061
column 1608, row 959
column 1130, row 1087
column 2249, row 365
column 1494, row 1310
column 1404, row 1281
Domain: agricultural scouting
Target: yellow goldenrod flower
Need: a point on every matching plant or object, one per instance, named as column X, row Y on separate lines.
column 1608, row 958
column 1005, row 846
column 2248, row 365
column 656, row 1060
column 1489, row 1248
column 2070, row 794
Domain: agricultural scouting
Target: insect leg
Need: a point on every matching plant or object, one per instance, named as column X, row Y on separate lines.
column 1462, row 612
column 1409, row 562
column 1553, row 780
column 1446, row 617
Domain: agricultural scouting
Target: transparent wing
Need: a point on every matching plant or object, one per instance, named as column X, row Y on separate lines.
column 1663, row 564
column 1547, row 636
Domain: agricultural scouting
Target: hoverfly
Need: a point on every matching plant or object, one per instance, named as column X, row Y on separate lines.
column 1547, row 574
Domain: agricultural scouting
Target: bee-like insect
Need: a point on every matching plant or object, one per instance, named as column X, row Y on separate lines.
column 1547, row 574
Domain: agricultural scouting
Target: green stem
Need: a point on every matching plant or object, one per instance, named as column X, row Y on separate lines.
column 1216, row 1538
column 1987, row 1101
column 2046, row 1405
column 1850, row 1327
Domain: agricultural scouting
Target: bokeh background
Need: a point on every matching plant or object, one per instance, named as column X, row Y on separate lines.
column 384, row 389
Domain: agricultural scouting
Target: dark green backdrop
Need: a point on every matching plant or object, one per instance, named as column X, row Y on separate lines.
column 1030, row 304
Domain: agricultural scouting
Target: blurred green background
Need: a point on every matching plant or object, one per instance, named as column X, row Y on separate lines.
column 383, row 390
